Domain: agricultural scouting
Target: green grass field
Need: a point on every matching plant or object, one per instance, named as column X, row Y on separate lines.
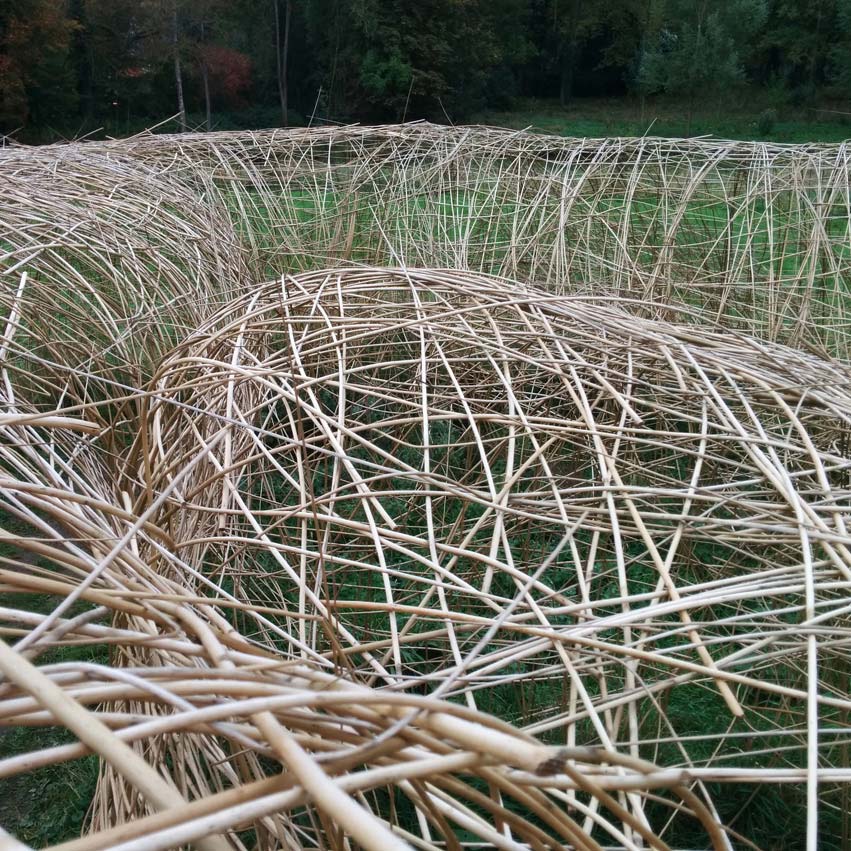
column 594, row 118
column 49, row 805
column 757, row 265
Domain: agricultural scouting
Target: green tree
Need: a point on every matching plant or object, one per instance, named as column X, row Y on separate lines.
column 796, row 46
column 389, row 59
column 333, row 74
column 698, row 47
column 199, row 36
column 37, row 85
column 584, row 39
column 131, row 57
column 839, row 60
column 282, row 53
column 573, row 23
column 155, row 55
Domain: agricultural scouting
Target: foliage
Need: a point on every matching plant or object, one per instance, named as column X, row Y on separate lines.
column 766, row 121
column 78, row 64
column 598, row 35
column 840, row 51
column 35, row 77
column 795, row 45
column 387, row 60
column 230, row 74
column 698, row 47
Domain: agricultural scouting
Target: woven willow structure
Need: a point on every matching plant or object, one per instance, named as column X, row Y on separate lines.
column 121, row 262
column 752, row 235
column 184, row 685
column 312, row 552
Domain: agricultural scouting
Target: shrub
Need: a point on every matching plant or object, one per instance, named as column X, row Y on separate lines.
column 766, row 121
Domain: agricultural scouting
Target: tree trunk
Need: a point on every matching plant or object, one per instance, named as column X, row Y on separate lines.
column 178, row 72
column 691, row 96
column 285, row 65
column 282, row 56
column 205, row 78
column 83, row 60
column 568, row 60
column 813, row 57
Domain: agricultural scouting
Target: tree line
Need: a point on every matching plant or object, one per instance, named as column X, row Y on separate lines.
column 67, row 66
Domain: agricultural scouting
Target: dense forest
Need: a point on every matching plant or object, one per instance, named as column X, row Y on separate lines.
column 68, row 67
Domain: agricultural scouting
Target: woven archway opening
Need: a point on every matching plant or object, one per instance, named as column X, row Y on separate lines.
column 607, row 531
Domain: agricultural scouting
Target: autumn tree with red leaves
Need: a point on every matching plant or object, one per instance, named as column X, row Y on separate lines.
column 229, row 74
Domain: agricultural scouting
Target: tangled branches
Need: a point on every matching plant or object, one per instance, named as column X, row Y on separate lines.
column 753, row 236
column 403, row 557
column 122, row 264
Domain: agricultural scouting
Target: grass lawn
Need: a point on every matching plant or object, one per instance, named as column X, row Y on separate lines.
column 598, row 117
column 749, row 257
column 48, row 805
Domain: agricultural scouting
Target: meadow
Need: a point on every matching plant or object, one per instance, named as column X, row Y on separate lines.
column 425, row 487
column 754, row 115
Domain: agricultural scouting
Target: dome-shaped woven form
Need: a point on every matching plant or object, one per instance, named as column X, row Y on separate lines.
column 122, row 264
column 206, row 738
column 605, row 531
